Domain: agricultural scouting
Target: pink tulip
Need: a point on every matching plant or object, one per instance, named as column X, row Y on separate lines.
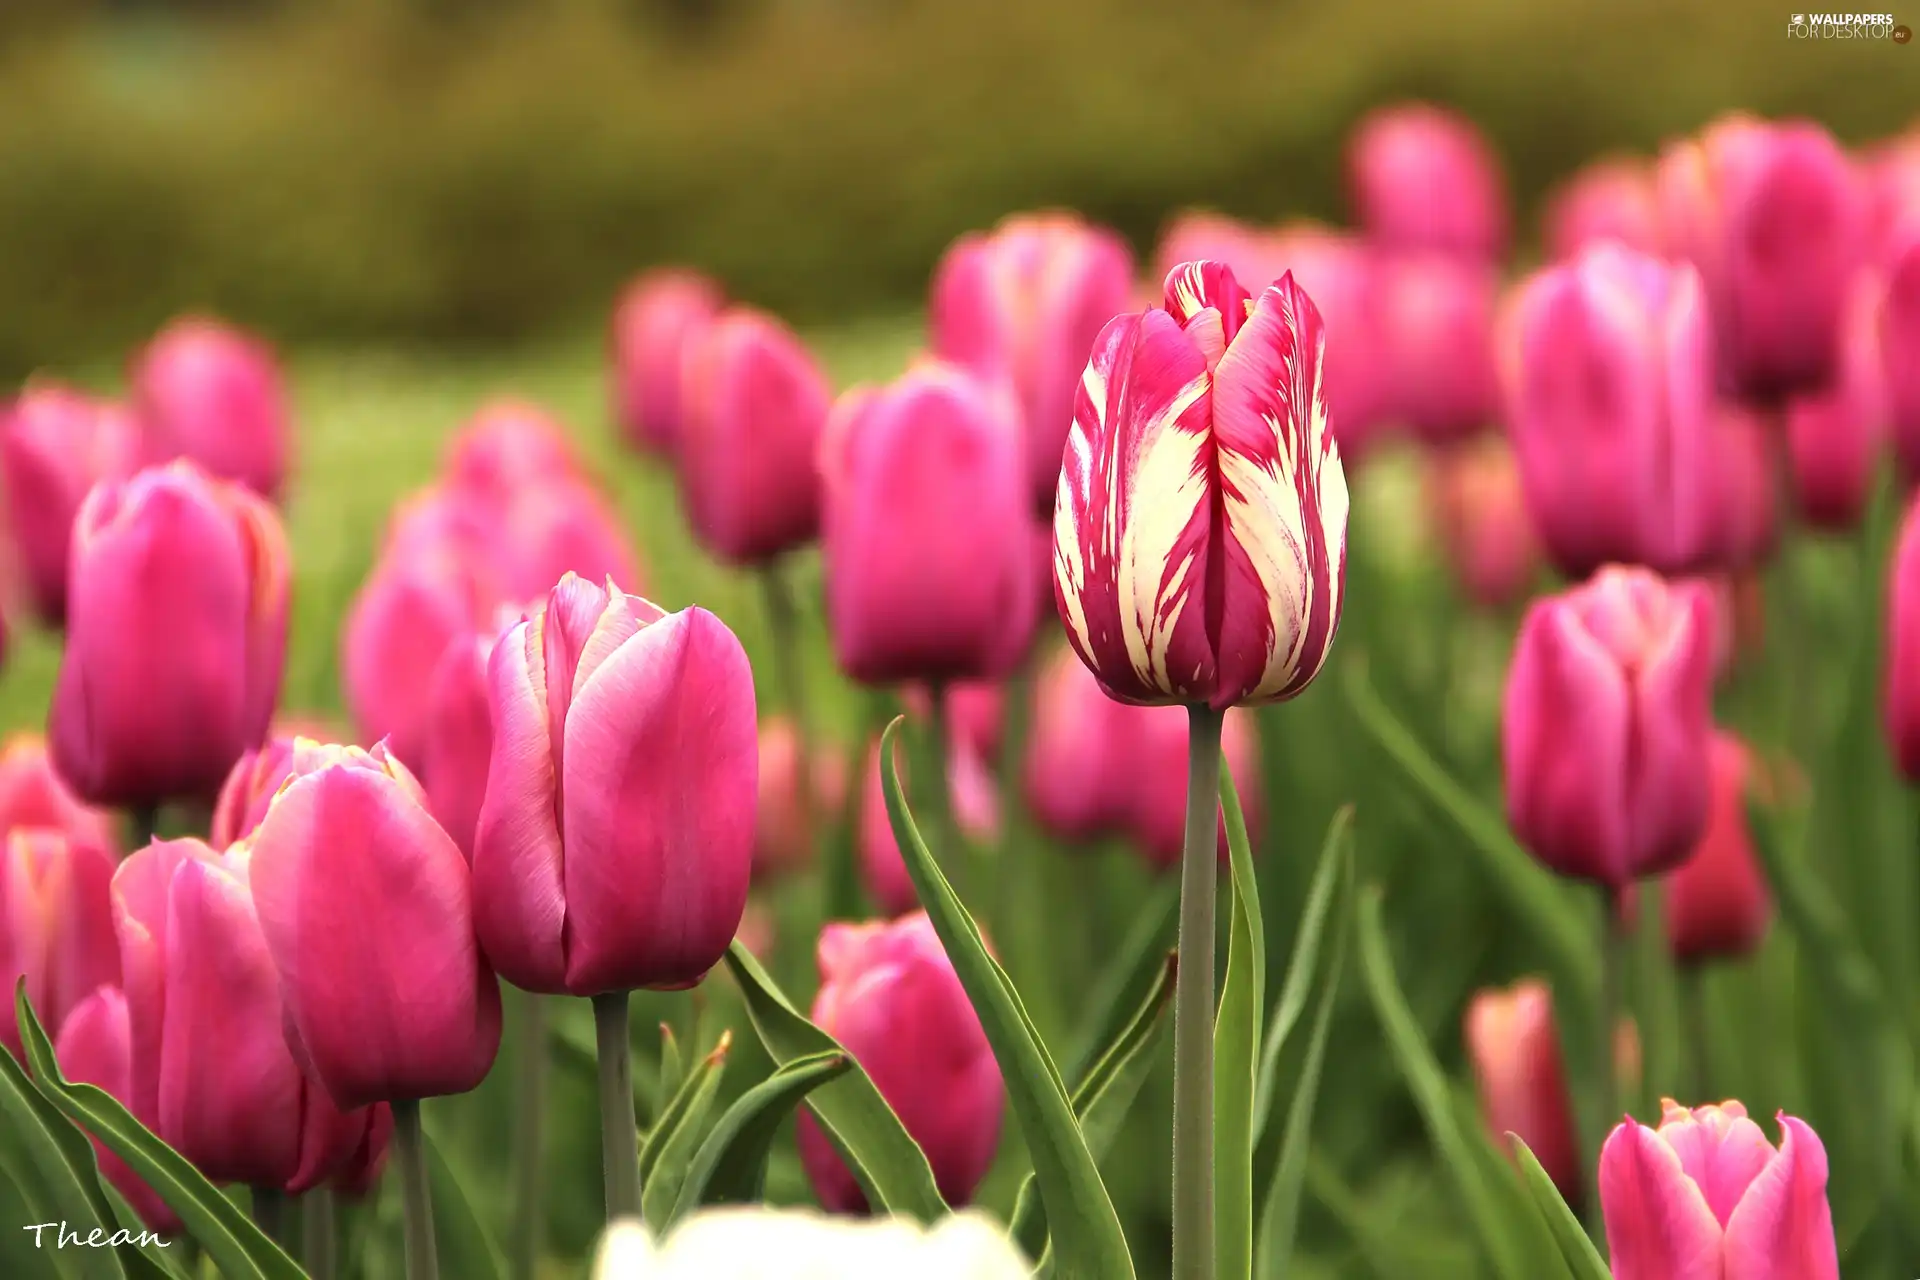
column 754, row 404
column 1900, row 352
column 1707, row 1197
column 659, row 317
column 1025, row 303
column 1775, row 218
column 1480, row 513
column 1436, row 323
column 32, row 794
column 1609, row 387
column 1613, row 200
column 1422, row 177
column 1834, row 435
column 889, row 995
column 56, row 926
column 1079, row 762
column 248, row 791
column 1515, row 1051
column 925, row 531
column 1605, row 726
column 94, row 1047
column 456, row 747
column 209, row 1055
column 367, row 910
column 55, row 443
column 784, row 828
column 972, row 795
column 1716, row 901
column 1343, row 275
column 1200, row 529
column 1745, row 449
column 196, row 568
column 213, row 393
column 1902, row 669
column 508, row 445
column 615, row 842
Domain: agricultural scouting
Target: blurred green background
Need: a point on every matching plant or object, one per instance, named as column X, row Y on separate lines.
column 485, row 170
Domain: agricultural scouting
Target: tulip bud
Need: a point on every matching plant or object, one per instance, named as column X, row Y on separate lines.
column 659, row 317
column 1716, row 901
column 1775, row 219
column 32, row 794
column 1606, row 724
column 1515, row 1050
column 1480, row 513
column 1025, row 303
column 209, row 1053
column 1706, row 1195
column 1422, row 177
column 197, row 569
column 56, row 925
column 367, row 911
column 888, row 993
column 213, row 393
column 1834, row 435
column 508, row 445
column 616, row 838
column 784, row 826
column 972, row 796
column 1436, row 323
column 55, row 444
column 94, row 1047
column 755, row 402
column 1613, row 199
column 1200, row 545
column 1900, row 352
column 1609, row 387
column 925, row 531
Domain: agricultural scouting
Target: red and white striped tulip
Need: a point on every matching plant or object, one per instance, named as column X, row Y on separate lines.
column 1200, row 529
column 208, row 391
column 659, row 316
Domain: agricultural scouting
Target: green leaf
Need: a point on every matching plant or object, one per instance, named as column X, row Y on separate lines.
column 1513, row 1203
column 888, row 1163
column 1430, row 1091
column 18, row 1256
column 731, row 1165
column 1102, row 1101
column 1131, row 974
column 670, row 1145
column 1088, row 1241
column 1237, row 1051
column 1336, row 865
column 240, row 1249
column 1538, row 903
column 1576, row 1248
column 1280, row 1213
column 63, row 1173
column 466, row 1246
column 673, row 1072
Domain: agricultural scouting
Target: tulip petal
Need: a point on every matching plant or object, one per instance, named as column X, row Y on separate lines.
column 1668, row 770
column 1720, row 1149
column 1783, row 1228
column 1659, row 1226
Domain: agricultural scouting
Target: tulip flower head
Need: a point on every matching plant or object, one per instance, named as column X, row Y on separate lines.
column 508, row 444
column 32, row 794
column 615, row 840
column 210, row 392
column 1422, row 177
column 1200, row 527
column 659, row 317
column 1606, row 725
column 1515, row 1049
column 1716, row 902
column 1435, row 317
column 256, row 778
column 1706, row 1197
column 56, row 925
column 1614, row 199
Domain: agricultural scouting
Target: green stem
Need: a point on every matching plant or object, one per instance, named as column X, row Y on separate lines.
column 1193, row 1005
column 1613, row 973
column 410, row 1154
column 270, row 1213
column 619, row 1132
column 1693, row 1012
column 529, row 1145
column 317, row 1228
column 930, row 776
column 143, row 822
column 783, row 621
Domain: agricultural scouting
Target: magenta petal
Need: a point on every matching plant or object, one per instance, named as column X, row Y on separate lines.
column 1658, row 1224
column 1783, row 1229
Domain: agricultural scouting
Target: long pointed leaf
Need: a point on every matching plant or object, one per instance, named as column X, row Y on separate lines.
column 1236, row 1051
column 31, row 1153
column 1576, row 1247
column 671, row 1144
column 1088, row 1241
column 466, row 1245
column 730, row 1166
column 1336, row 857
column 1129, row 976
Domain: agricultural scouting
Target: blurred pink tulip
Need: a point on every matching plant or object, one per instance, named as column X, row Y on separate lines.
column 1746, row 452
column 1614, row 199
column 557, row 527
column 1899, row 337
column 1892, row 174
column 1606, row 725
column 1156, row 815
column 1200, row 528
column 1776, row 220
column 660, row 316
column 208, row 1050
column 1436, row 324
column 255, row 779
column 1716, row 902
column 1024, row 302
column 754, row 402
column 1342, row 275
column 94, row 1047
column 456, row 740
column 615, row 842
column 972, row 796
column 367, row 909
column 889, row 995
column 1423, row 177
column 1902, row 661
column 1707, row 1197
column 784, row 828
column 975, row 710
column 925, row 531
column 507, row 445
column 1480, row 513
column 1834, row 435
column 56, row 925
column 1609, row 389
column 32, row 794
column 1514, row 1047
column 198, row 569
column 208, row 391
column 55, row 444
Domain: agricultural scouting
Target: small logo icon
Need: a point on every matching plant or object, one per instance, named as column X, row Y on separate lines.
column 1902, row 34
column 1799, row 20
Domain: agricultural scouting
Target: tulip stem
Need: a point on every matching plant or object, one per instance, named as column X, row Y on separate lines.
column 783, row 620
column 410, row 1153
column 1193, row 1005
column 619, row 1132
column 529, row 1146
column 270, row 1213
column 316, row 1211
column 1693, row 1012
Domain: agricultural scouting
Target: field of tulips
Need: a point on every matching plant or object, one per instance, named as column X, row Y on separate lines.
column 1307, row 752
